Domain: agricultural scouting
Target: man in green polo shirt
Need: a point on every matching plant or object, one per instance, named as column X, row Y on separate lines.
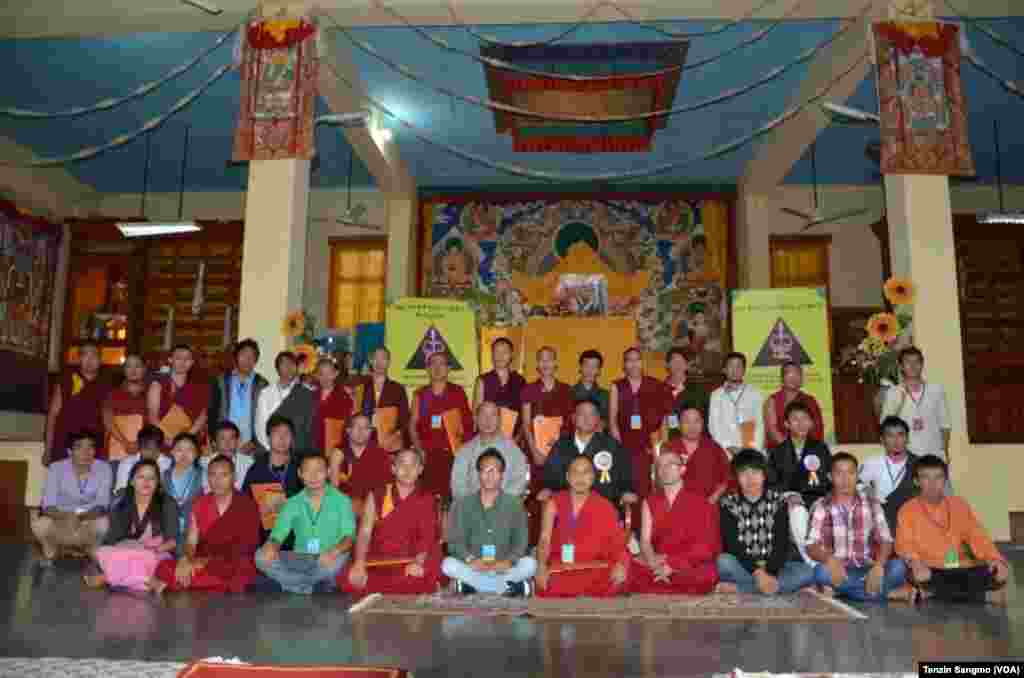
column 323, row 523
column 489, row 537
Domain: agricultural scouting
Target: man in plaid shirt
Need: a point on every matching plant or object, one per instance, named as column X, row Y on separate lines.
column 851, row 542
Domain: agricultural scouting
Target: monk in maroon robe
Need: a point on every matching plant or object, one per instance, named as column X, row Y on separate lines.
column 127, row 400
column 437, row 438
column 398, row 548
column 706, row 467
column 377, row 391
column 360, row 467
column 582, row 547
column 223, row 536
column 191, row 397
column 77, row 405
column 546, row 397
column 638, row 407
column 332, row 403
column 502, row 386
column 680, row 541
column 775, row 407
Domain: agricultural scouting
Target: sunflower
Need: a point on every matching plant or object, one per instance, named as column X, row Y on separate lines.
column 899, row 291
column 883, row 326
column 307, row 357
column 294, row 324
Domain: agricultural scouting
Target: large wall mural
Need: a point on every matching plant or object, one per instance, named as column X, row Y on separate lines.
column 660, row 260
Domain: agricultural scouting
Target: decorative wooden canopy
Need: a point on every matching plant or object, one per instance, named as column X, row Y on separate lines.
column 631, row 79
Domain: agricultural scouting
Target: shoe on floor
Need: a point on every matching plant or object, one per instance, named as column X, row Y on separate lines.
column 462, row 588
column 518, row 589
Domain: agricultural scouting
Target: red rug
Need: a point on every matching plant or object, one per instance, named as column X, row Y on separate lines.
column 210, row 670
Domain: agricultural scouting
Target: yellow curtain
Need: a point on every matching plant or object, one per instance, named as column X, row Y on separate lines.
column 796, row 264
column 358, row 278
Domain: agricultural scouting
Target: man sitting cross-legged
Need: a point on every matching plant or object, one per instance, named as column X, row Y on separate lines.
column 488, row 538
column 850, row 540
column 397, row 550
column 951, row 556
column 322, row 521
column 223, row 535
column 758, row 553
column 582, row 548
column 679, row 539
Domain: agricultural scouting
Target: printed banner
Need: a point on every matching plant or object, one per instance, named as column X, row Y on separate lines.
column 419, row 328
column 921, row 100
column 278, row 99
column 773, row 327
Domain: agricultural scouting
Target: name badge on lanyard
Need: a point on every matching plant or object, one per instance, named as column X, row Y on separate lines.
column 568, row 553
column 636, row 422
column 673, row 420
column 489, row 553
column 313, row 545
column 435, row 421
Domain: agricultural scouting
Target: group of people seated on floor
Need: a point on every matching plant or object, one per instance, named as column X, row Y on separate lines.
column 624, row 491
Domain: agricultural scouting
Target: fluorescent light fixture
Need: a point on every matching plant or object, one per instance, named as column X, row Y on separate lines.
column 1001, row 218
column 357, row 119
column 144, row 229
column 205, row 6
column 384, row 135
column 850, row 114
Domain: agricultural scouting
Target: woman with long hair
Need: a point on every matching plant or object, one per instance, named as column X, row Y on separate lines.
column 183, row 482
column 143, row 531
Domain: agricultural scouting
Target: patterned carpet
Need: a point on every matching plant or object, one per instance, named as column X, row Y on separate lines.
column 57, row 667
column 715, row 607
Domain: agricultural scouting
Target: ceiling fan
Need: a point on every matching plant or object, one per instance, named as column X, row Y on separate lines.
column 207, row 7
column 816, row 217
column 353, row 215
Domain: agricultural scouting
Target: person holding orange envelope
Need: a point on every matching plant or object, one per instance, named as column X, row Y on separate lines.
column 441, row 422
column 177, row 404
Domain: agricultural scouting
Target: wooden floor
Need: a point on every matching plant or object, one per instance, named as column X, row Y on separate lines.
column 47, row 613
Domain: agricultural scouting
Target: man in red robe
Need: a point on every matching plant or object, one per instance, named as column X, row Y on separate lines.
column 223, row 536
column 333, row 404
column 582, row 548
column 178, row 391
column 378, row 392
column 639, row 406
column 679, row 540
column 397, row 549
column 546, row 397
column 128, row 400
column 775, row 407
column 360, row 467
column 502, row 386
column 706, row 466
column 77, row 405
column 440, row 409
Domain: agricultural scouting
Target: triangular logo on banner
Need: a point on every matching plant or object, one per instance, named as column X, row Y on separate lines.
column 781, row 347
column 432, row 343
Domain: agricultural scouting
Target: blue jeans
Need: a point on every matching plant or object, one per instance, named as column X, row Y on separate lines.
column 794, row 576
column 854, row 589
column 299, row 572
column 489, row 582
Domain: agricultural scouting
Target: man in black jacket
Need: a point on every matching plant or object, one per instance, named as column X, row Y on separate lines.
column 890, row 475
column 234, row 395
column 612, row 463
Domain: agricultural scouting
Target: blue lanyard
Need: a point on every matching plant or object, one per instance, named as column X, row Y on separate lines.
column 180, row 497
column 279, row 476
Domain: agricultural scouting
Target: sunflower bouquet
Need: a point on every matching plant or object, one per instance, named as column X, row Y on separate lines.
column 300, row 327
column 877, row 356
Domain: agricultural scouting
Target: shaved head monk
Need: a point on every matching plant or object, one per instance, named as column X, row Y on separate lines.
column 582, row 548
column 679, row 541
column 441, row 423
column 397, row 550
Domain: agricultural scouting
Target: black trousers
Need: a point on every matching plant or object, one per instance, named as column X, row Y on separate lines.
column 962, row 584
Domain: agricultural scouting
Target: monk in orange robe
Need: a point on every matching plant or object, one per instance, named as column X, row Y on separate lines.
column 223, row 536
column 398, row 523
column 582, row 548
column 332, row 402
column 429, row 431
column 360, row 467
column 77, row 405
column 192, row 397
column 680, row 539
column 638, row 407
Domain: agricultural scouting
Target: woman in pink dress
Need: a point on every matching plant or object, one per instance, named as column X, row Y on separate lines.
column 143, row 531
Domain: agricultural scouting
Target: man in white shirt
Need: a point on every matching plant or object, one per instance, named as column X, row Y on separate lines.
column 466, row 478
column 272, row 396
column 735, row 416
column 226, row 440
column 921, row 405
column 889, row 477
column 150, row 442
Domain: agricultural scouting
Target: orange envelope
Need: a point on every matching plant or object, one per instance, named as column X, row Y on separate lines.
column 127, row 425
column 385, row 420
column 546, row 430
column 508, row 422
column 264, row 494
column 175, row 422
column 747, row 431
column 389, row 562
column 334, row 433
column 452, row 420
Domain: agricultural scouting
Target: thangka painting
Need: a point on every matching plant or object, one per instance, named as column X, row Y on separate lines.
column 28, row 256
column 921, row 101
column 660, row 261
